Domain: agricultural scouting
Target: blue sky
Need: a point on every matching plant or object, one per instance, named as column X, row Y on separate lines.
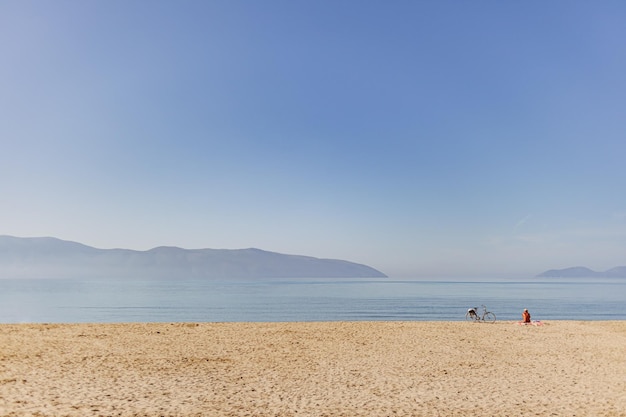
column 425, row 139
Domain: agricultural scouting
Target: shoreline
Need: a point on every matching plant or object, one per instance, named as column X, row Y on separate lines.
column 361, row 368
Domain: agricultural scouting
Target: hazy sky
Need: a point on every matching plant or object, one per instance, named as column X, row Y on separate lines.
column 423, row 138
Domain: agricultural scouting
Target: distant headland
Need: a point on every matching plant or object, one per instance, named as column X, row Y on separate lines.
column 48, row 257
column 583, row 272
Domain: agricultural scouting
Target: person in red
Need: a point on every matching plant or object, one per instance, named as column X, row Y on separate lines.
column 525, row 316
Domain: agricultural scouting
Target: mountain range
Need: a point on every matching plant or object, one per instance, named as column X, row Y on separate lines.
column 48, row 257
column 583, row 272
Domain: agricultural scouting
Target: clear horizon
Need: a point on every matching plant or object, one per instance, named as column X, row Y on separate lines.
column 421, row 139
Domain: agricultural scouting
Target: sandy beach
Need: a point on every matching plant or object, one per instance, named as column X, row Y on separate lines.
column 562, row 368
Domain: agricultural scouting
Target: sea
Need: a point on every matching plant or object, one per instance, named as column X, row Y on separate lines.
column 303, row 300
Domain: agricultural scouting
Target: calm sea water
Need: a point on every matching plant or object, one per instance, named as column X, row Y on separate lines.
column 112, row 301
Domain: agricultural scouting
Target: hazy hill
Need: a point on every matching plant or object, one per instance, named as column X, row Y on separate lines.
column 48, row 257
column 583, row 272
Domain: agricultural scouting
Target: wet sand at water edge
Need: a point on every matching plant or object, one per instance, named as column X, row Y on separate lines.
column 563, row 368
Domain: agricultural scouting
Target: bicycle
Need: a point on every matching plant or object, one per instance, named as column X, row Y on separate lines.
column 487, row 316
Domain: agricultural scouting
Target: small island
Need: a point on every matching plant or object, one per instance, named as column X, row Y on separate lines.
column 584, row 272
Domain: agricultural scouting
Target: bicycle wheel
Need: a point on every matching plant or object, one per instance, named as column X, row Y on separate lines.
column 470, row 317
column 490, row 317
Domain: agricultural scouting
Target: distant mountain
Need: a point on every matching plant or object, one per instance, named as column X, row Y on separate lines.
column 582, row 272
column 48, row 257
column 617, row 272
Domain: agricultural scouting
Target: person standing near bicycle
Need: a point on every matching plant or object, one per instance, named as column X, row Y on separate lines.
column 525, row 316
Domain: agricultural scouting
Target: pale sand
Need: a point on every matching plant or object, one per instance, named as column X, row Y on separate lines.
column 314, row 369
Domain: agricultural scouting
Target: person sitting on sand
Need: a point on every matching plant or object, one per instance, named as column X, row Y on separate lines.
column 525, row 316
